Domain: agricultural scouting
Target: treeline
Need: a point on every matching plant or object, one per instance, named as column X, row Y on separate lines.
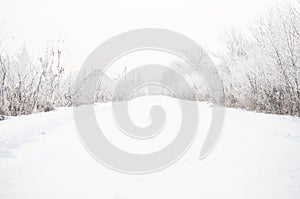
column 260, row 71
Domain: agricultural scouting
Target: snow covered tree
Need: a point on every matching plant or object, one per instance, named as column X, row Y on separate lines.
column 262, row 70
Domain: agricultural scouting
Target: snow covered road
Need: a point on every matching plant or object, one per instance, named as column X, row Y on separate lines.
column 258, row 156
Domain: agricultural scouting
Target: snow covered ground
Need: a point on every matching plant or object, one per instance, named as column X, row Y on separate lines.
column 258, row 156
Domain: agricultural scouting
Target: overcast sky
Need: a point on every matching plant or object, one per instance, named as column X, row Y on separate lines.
column 83, row 25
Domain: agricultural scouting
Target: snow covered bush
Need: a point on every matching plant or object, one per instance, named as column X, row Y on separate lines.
column 28, row 85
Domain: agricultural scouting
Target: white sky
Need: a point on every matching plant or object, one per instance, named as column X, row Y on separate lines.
column 83, row 25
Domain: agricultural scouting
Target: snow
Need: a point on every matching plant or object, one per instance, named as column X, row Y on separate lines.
column 258, row 156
